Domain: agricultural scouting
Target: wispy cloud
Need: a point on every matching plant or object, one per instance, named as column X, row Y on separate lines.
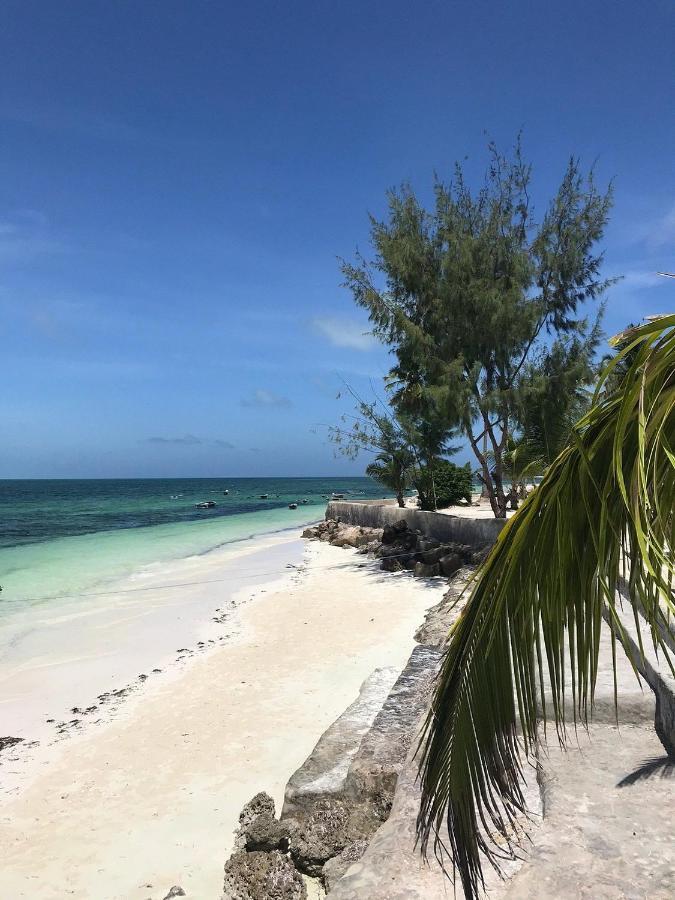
column 662, row 232
column 344, row 333
column 189, row 440
column 25, row 236
column 266, row 399
column 641, row 278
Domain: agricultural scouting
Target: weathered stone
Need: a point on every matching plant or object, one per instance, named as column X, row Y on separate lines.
column 175, row 891
column 393, row 532
column 333, row 824
column 324, row 772
column 258, row 827
column 426, row 544
column 392, row 564
column 439, row 619
column 422, row 570
column 372, row 775
column 262, row 876
column 450, row 564
column 432, row 556
column 336, row 867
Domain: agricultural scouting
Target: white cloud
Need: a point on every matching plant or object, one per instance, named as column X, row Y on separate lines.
column 662, row 233
column 641, row 278
column 266, row 399
column 344, row 333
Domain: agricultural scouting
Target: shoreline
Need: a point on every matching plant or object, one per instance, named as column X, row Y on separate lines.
column 176, row 761
column 70, row 669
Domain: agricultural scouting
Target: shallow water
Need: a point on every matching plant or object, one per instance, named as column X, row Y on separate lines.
column 64, row 537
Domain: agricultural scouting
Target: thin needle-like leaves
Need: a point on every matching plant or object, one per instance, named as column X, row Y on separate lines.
column 603, row 512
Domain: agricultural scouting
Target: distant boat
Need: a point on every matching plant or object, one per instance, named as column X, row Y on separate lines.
column 226, row 493
column 338, row 497
column 205, row 504
column 292, row 505
column 305, row 501
column 264, row 496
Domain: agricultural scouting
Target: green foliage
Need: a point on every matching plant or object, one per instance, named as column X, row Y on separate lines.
column 481, row 303
column 443, row 484
column 393, row 470
column 605, row 510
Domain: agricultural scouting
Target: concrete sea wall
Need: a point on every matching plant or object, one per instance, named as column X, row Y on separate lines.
column 447, row 529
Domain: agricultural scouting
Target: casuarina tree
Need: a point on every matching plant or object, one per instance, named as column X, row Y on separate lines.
column 478, row 299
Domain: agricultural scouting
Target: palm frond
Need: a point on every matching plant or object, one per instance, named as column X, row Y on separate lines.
column 604, row 510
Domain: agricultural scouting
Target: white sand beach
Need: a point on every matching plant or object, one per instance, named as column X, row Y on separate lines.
column 149, row 797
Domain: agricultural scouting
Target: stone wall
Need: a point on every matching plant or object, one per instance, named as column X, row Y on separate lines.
column 451, row 529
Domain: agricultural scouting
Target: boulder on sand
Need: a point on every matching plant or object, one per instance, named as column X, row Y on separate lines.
column 262, row 876
column 259, row 829
column 426, row 570
column 450, row 563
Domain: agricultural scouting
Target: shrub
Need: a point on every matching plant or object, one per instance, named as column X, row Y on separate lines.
column 450, row 484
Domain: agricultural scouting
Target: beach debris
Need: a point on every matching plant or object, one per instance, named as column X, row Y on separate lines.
column 142, row 677
column 76, row 710
column 262, row 876
column 176, row 891
column 156, row 671
column 6, row 742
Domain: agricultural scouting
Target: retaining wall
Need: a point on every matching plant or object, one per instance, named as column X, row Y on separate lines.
column 448, row 529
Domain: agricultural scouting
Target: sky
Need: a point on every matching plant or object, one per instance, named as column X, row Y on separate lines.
column 178, row 181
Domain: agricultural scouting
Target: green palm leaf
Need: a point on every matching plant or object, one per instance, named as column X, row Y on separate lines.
column 603, row 511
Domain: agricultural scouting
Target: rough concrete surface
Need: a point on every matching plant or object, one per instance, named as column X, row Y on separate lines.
column 600, row 840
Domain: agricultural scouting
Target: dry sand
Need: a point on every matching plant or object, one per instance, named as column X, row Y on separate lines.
column 150, row 798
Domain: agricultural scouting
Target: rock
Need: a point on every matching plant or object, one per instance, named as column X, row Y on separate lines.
column 258, row 827
column 333, row 824
column 450, row 564
column 176, row 891
column 6, row 742
column 423, row 570
column 391, row 533
column 432, row 556
column 440, row 618
column 262, row 876
column 392, row 564
column 426, row 544
column 478, row 557
column 350, row 536
column 336, row 867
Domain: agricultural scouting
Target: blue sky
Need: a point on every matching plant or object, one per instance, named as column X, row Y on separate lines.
column 177, row 181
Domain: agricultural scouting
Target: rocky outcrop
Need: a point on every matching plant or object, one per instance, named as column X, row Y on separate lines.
column 336, row 867
column 435, row 629
column 258, row 827
column 324, row 772
column 343, row 792
column 333, row 532
column 398, row 547
column 262, row 876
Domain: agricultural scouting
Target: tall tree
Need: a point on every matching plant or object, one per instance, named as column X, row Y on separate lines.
column 474, row 294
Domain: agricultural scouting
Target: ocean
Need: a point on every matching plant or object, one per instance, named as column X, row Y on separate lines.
column 66, row 537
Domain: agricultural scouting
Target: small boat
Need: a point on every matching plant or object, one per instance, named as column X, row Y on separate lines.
column 305, row 501
column 205, row 504
column 264, row 496
column 292, row 505
column 338, row 497
column 225, row 493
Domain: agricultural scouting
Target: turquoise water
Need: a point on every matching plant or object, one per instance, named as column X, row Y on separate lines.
column 66, row 537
